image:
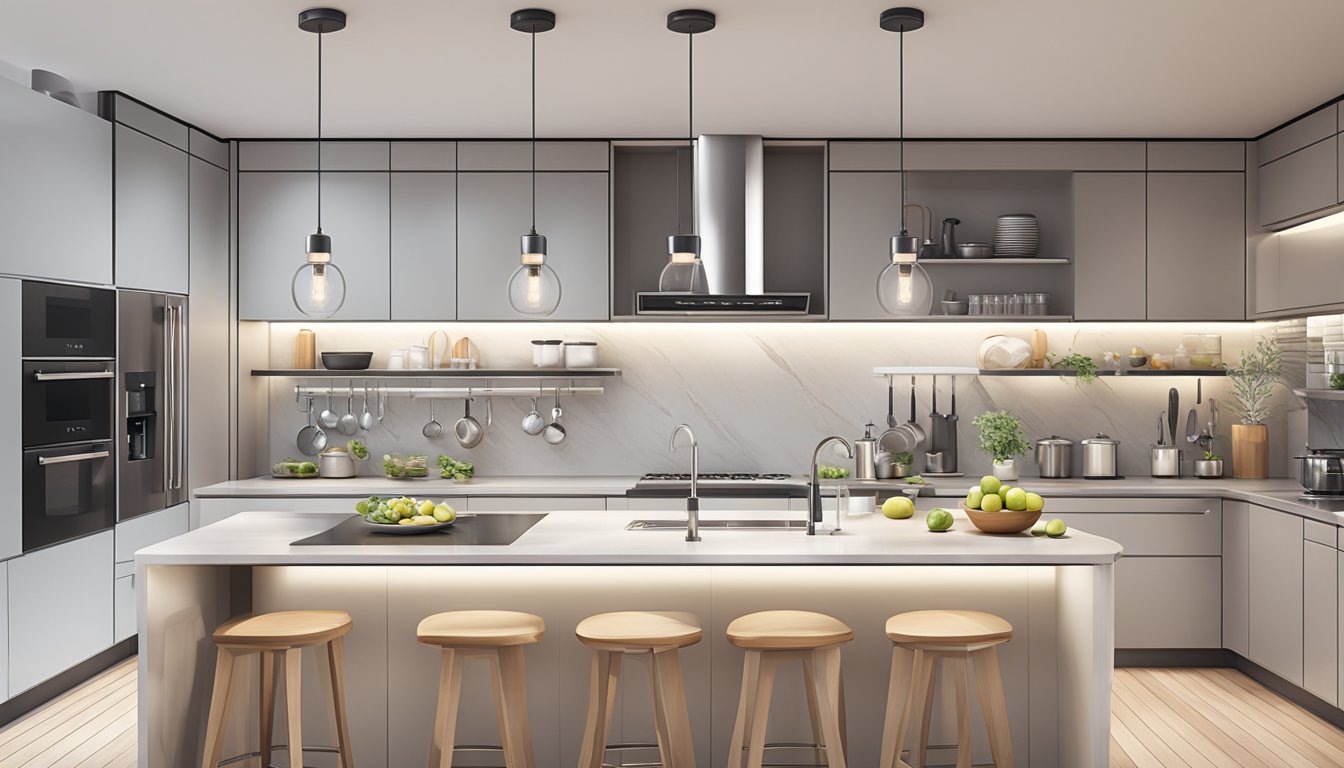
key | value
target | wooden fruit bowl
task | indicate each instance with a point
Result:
(1002, 522)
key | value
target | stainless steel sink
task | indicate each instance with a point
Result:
(729, 525)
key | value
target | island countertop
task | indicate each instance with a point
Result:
(600, 538)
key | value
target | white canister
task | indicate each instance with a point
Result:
(580, 354)
(417, 356)
(396, 359)
(548, 353)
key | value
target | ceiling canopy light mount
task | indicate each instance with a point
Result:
(902, 19)
(690, 21)
(322, 20)
(532, 20)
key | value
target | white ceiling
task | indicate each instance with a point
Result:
(433, 68)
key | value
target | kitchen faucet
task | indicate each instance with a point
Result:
(814, 487)
(692, 501)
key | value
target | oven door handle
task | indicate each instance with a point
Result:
(78, 376)
(90, 456)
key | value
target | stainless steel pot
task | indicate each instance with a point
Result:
(1055, 455)
(1322, 471)
(335, 462)
(1099, 457)
(1166, 461)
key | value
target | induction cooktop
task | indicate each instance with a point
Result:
(493, 530)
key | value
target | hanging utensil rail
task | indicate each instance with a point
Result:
(452, 393)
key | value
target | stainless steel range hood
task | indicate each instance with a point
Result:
(730, 216)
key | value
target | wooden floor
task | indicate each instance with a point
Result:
(1161, 718)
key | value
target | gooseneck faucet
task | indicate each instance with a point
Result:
(692, 501)
(814, 487)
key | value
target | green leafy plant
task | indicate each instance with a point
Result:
(1001, 435)
(1211, 456)
(1084, 367)
(461, 471)
(1337, 381)
(1254, 378)
(358, 449)
(905, 457)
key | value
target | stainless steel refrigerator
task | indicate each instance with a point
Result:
(151, 402)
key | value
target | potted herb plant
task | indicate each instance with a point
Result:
(1253, 381)
(1004, 439)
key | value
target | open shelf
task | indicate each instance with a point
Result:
(1320, 394)
(1028, 372)
(993, 262)
(983, 319)
(439, 373)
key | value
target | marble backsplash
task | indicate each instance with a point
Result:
(760, 396)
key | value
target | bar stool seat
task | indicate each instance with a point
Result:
(279, 639)
(769, 638)
(654, 635)
(958, 638)
(497, 637)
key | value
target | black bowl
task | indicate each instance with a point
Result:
(346, 361)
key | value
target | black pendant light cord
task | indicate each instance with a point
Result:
(690, 118)
(319, 132)
(534, 130)
(901, 120)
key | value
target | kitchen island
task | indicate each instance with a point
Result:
(1057, 593)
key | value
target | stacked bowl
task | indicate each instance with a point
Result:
(1016, 236)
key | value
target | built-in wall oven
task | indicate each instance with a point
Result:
(69, 380)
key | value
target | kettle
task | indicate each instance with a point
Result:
(865, 455)
(950, 238)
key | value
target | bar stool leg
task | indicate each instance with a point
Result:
(602, 687)
(269, 684)
(930, 687)
(814, 710)
(751, 668)
(445, 715)
(765, 687)
(336, 663)
(899, 690)
(826, 679)
(513, 675)
(294, 704)
(219, 708)
(989, 686)
(501, 696)
(672, 702)
(962, 685)
(660, 716)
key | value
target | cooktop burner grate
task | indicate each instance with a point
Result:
(711, 476)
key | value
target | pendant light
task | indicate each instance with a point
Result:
(534, 288)
(685, 272)
(903, 287)
(319, 286)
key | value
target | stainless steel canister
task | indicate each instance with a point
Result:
(1099, 457)
(1055, 455)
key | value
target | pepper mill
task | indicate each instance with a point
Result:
(865, 454)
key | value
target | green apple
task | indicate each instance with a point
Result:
(898, 508)
(1039, 528)
(992, 502)
(425, 507)
(1034, 502)
(990, 484)
(1056, 528)
(1015, 499)
(974, 498)
(444, 513)
(939, 520)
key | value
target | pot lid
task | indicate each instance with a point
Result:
(1101, 439)
(1054, 440)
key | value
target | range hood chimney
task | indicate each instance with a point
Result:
(730, 211)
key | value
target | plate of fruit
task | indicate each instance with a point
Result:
(995, 507)
(403, 515)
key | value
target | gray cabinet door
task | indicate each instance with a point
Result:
(56, 201)
(208, 327)
(1236, 577)
(1109, 250)
(276, 213)
(1320, 624)
(56, 640)
(151, 213)
(4, 633)
(1276, 592)
(865, 213)
(1298, 184)
(424, 246)
(123, 608)
(1164, 602)
(11, 440)
(1196, 246)
(493, 211)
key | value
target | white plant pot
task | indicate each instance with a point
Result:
(1006, 470)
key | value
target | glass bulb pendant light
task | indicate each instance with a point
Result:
(903, 287)
(685, 272)
(318, 287)
(534, 288)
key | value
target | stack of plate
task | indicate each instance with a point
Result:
(1016, 236)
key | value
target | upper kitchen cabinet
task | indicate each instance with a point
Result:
(277, 211)
(56, 202)
(988, 156)
(1109, 251)
(424, 246)
(151, 213)
(302, 156)
(1299, 170)
(864, 215)
(1196, 246)
(494, 210)
(209, 326)
(517, 156)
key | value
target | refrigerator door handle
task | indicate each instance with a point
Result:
(170, 394)
(179, 365)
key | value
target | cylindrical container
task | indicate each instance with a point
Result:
(396, 359)
(1322, 472)
(1099, 457)
(1055, 455)
(417, 356)
(1250, 451)
(882, 466)
(580, 354)
(1166, 461)
(865, 453)
(548, 353)
(335, 462)
(933, 462)
(305, 349)
(1209, 468)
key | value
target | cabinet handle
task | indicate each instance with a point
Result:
(46, 460)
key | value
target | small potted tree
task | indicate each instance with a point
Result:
(1253, 383)
(1004, 439)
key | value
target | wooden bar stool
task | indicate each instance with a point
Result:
(497, 637)
(957, 637)
(770, 637)
(280, 638)
(660, 635)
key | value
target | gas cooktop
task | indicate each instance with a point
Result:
(712, 477)
(721, 484)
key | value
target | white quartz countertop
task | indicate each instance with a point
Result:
(600, 538)
(376, 485)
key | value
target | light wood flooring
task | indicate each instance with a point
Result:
(1161, 718)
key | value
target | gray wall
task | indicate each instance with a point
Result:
(761, 395)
